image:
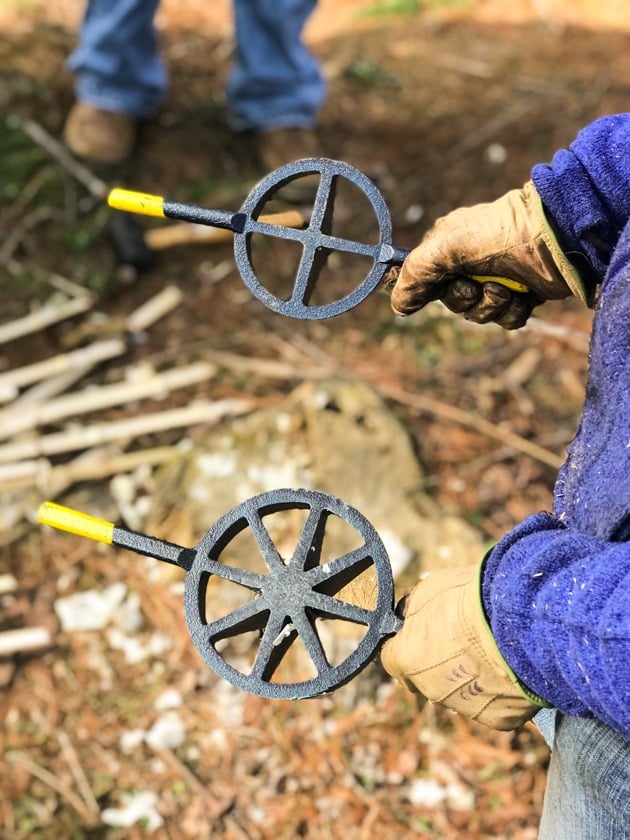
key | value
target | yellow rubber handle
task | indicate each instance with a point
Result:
(136, 202)
(75, 522)
(503, 281)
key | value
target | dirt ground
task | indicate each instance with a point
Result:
(441, 104)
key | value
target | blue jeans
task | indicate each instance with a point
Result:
(588, 782)
(275, 81)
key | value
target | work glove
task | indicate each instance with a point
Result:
(509, 238)
(445, 651)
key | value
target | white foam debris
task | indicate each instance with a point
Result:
(135, 807)
(92, 609)
(168, 732)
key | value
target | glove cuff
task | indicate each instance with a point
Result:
(563, 264)
(529, 695)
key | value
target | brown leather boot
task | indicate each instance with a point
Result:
(98, 135)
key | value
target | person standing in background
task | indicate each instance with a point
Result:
(275, 86)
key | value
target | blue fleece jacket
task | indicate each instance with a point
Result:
(556, 589)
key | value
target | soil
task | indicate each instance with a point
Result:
(441, 105)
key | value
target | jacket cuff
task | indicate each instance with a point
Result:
(527, 693)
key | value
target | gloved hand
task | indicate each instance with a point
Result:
(512, 238)
(446, 652)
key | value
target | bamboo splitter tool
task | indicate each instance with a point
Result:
(317, 238)
(288, 601)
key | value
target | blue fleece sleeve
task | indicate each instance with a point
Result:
(558, 602)
(556, 589)
(586, 189)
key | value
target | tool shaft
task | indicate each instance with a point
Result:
(147, 204)
(75, 522)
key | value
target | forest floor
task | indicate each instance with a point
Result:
(441, 104)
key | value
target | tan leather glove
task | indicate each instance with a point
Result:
(512, 238)
(446, 652)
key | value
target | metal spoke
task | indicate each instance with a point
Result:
(308, 549)
(244, 619)
(272, 647)
(279, 231)
(321, 217)
(234, 574)
(350, 565)
(311, 642)
(265, 543)
(311, 263)
(334, 608)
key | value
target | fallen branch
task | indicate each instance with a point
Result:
(27, 224)
(437, 408)
(72, 758)
(60, 153)
(578, 338)
(20, 759)
(268, 367)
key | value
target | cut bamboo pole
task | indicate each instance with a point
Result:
(92, 466)
(24, 640)
(98, 434)
(46, 390)
(154, 309)
(93, 354)
(108, 396)
(20, 474)
(8, 584)
(50, 313)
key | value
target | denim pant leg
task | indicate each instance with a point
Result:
(275, 82)
(588, 783)
(116, 63)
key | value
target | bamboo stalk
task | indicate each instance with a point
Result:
(49, 313)
(8, 583)
(93, 354)
(92, 465)
(154, 309)
(24, 640)
(20, 474)
(88, 400)
(202, 412)
(44, 391)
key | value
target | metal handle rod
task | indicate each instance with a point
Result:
(75, 522)
(147, 204)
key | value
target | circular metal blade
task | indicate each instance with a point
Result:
(288, 599)
(316, 239)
